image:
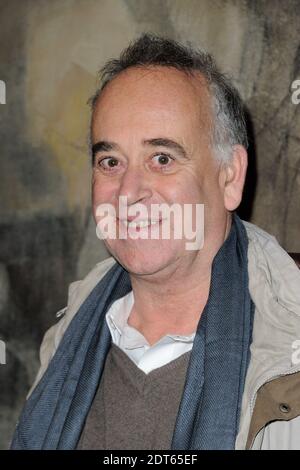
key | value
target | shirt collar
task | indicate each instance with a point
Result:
(131, 338)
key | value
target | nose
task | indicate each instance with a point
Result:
(135, 185)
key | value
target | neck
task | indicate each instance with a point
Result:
(172, 301)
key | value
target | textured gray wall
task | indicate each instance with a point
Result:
(50, 51)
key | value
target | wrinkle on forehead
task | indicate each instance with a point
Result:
(163, 81)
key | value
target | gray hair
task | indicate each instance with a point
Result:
(229, 127)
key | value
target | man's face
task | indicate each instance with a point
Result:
(151, 129)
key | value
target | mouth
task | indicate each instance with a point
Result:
(139, 224)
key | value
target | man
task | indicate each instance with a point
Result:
(160, 346)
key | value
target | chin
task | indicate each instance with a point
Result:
(142, 260)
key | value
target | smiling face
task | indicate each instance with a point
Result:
(151, 134)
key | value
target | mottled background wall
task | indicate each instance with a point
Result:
(50, 51)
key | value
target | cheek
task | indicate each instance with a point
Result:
(185, 190)
(102, 191)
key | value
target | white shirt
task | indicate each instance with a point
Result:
(135, 345)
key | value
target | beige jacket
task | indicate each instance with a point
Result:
(270, 417)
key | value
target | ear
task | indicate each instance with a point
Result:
(232, 177)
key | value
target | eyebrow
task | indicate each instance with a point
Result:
(103, 146)
(106, 146)
(167, 143)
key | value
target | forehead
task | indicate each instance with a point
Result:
(159, 96)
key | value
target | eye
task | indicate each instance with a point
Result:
(108, 163)
(162, 159)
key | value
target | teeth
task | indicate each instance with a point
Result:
(140, 224)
